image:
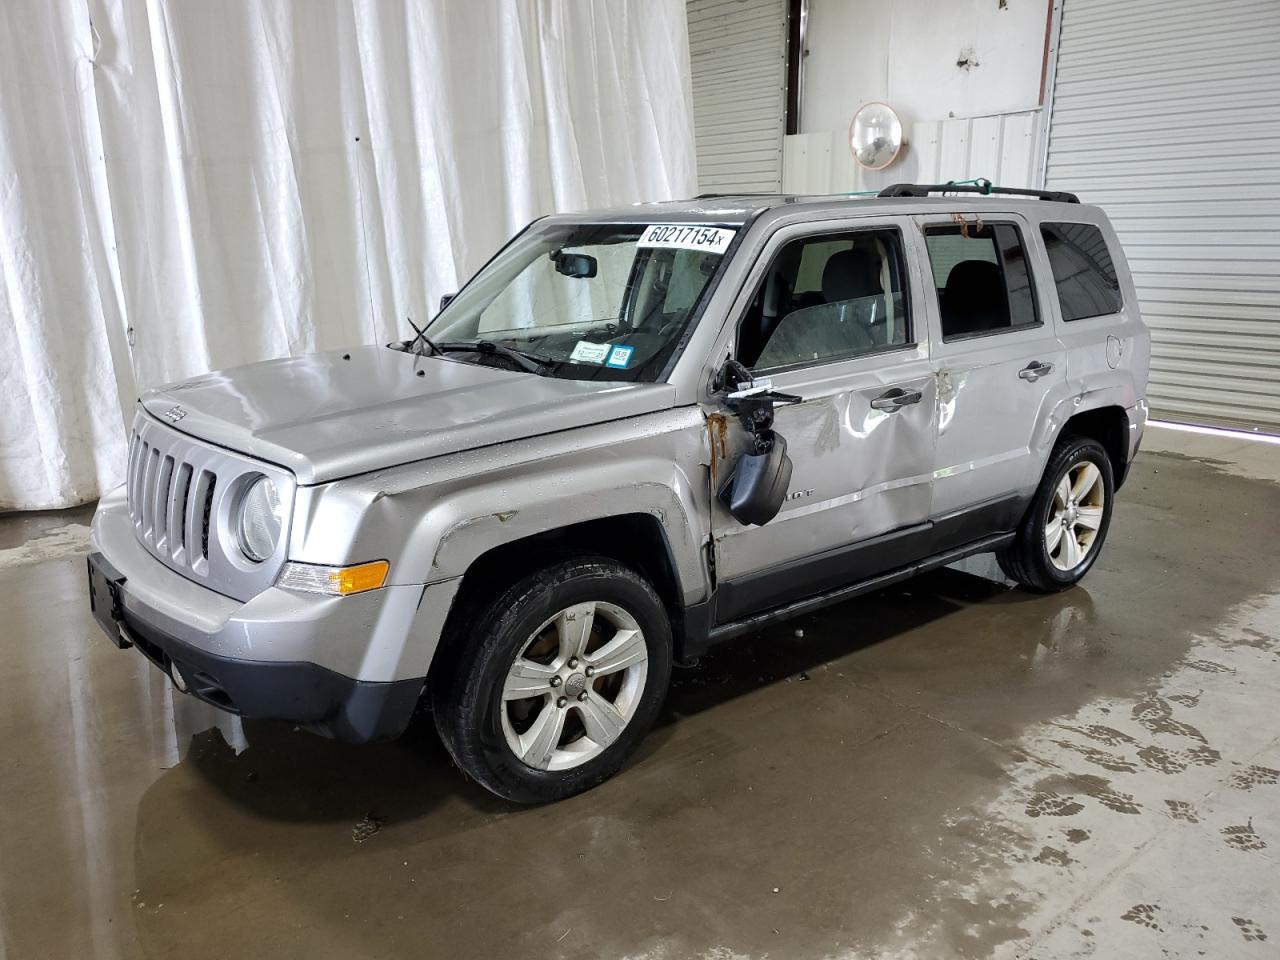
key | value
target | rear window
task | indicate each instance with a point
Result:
(1082, 270)
(982, 278)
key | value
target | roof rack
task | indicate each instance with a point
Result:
(983, 187)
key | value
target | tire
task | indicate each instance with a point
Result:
(511, 744)
(1040, 557)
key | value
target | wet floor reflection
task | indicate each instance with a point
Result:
(819, 758)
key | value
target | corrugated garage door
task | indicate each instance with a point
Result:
(1167, 114)
(738, 57)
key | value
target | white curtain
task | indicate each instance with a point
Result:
(189, 185)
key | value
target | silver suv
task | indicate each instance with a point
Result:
(633, 434)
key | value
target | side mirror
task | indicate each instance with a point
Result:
(580, 266)
(754, 491)
(445, 300)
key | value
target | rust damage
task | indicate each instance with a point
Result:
(718, 437)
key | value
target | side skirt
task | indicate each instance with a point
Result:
(699, 637)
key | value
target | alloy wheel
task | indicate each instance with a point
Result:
(1075, 515)
(574, 686)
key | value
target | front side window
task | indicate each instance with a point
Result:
(587, 301)
(1082, 270)
(824, 298)
(983, 281)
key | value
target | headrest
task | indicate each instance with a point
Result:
(851, 274)
(973, 280)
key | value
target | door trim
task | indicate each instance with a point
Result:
(834, 572)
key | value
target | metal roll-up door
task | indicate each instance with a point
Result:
(738, 59)
(1166, 113)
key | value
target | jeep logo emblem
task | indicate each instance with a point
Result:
(174, 414)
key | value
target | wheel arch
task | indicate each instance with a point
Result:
(637, 540)
(1109, 425)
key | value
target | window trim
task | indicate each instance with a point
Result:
(911, 343)
(1057, 294)
(1037, 323)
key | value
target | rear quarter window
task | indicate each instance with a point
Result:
(1083, 271)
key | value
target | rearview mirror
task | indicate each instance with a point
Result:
(754, 492)
(577, 265)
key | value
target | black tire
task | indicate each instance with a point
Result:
(467, 700)
(1027, 560)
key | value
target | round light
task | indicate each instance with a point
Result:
(258, 528)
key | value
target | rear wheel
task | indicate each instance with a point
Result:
(557, 681)
(1063, 531)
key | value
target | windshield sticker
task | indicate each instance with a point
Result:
(620, 357)
(681, 236)
(588, 352)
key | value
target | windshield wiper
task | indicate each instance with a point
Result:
(525, 360)
(412, 345)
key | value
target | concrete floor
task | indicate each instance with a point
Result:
(949, 769)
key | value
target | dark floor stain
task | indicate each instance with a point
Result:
(1208, 666)
(1181, 810)
(1162, 760)
(1254, 776)
(1101, 758)
(1143, 914)
(1187, 699)
(1249, 929)
(1053, 856)
(1076, 835)
(1243, 837)
(1203, 756)
(366, 828)
(1103, 734)
(1154, 713)
(1052, 805)
(1117, 801)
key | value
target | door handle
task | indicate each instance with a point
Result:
(896, 399)
(1034, 370)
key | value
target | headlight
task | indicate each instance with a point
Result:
(260, 522)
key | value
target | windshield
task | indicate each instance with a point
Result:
(584, 301)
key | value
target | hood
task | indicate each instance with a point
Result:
(324, 416)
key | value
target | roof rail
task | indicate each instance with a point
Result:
(983, 187)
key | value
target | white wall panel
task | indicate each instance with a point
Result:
(738, 62)
(1168, 116)
(1001, 148)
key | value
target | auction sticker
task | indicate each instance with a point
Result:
(683, 236)
(587, 352)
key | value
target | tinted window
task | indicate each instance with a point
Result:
(982, 278)
(827, 297)
(1082, 270)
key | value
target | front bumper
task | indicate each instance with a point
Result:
(303, 693)
(348, 667)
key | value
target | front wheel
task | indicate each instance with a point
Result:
(556, 681)
(1062, 533)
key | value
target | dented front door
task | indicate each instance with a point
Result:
(861, 486)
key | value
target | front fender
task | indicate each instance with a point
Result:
(431, 520)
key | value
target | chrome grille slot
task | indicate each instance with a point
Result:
(164, 491)
(182, 492)
(149, 496)
(208, 513)
(177, 522)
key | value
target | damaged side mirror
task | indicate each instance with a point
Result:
(756, 487)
